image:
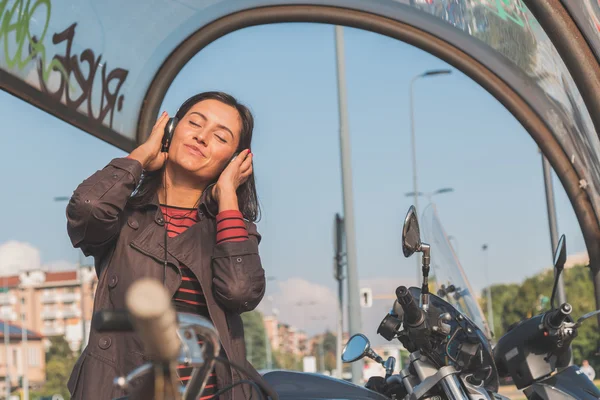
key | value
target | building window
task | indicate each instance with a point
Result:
(15, 357)
(34, 357)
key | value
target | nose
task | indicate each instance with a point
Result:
(201, 137)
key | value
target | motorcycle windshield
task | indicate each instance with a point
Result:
(447, 278)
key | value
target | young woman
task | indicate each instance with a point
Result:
(194, 206)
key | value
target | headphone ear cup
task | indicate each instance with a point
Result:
(168, 135)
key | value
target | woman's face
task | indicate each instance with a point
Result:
(205, 139)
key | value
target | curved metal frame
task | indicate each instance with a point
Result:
(418, 37)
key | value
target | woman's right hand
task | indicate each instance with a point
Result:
(149, 154)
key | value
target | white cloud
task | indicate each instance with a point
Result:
(303, 304)
(18, 256)
(313, 307)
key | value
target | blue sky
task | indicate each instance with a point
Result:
(286, 74)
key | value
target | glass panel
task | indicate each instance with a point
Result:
(101, 60)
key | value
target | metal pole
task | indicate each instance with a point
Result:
(551, 207)
(490, 310)
(321, 355)
(25, 380)
(6, 342)
(338, 269)
(354, 317)
(340, 330)
(413, 141)
(267, 341)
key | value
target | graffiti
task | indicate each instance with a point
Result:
(16, 21)
(72, 66)
(512, 10)
(22, 48)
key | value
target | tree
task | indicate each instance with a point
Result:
(59, 364)
(282, 360)
(327, 343)
(513, 303)
(255, 338)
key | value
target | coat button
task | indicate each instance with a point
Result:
(239, 259)
(104, 342)
(115, 176)
(112, 282)
(133, 223)
(160, 221)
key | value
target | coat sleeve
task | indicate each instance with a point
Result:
(95, 209)
(238, 275)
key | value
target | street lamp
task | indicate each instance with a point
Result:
(81, 284)
(490, 311)
(429, 195)
(426, 74)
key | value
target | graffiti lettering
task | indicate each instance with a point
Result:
(71, 63)
(15, 21)
(511, 10)
(22, 47)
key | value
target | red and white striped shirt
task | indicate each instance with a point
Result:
(189, 297)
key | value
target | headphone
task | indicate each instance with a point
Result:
(172, 124)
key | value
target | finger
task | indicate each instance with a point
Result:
(246, 169)
(160, 118)
(159, 130)
(241, 157)
(247, 162)
(245, 174)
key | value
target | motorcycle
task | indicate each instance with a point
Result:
(449, 341)
(446, 334)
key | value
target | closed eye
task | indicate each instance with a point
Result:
(222, 140)
(195, 124)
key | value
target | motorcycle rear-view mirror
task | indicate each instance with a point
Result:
(560, 258)
(560, 254)
(411, 234)
(357, 347)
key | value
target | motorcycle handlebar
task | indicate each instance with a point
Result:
(154, 318)
(558, 316)
(112, 321)
(413, 315)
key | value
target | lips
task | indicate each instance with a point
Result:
(195, 150)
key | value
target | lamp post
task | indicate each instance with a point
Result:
(490, 310)
(426, 74)
(354, 318)
(429, 195)
(272, 313)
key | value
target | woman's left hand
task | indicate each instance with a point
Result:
(235, 174)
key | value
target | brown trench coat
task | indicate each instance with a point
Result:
(128, 243)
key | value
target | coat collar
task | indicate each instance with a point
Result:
(208, 205)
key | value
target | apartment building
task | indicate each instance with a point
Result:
(51, 303)
(14, 364)
(284, 337)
